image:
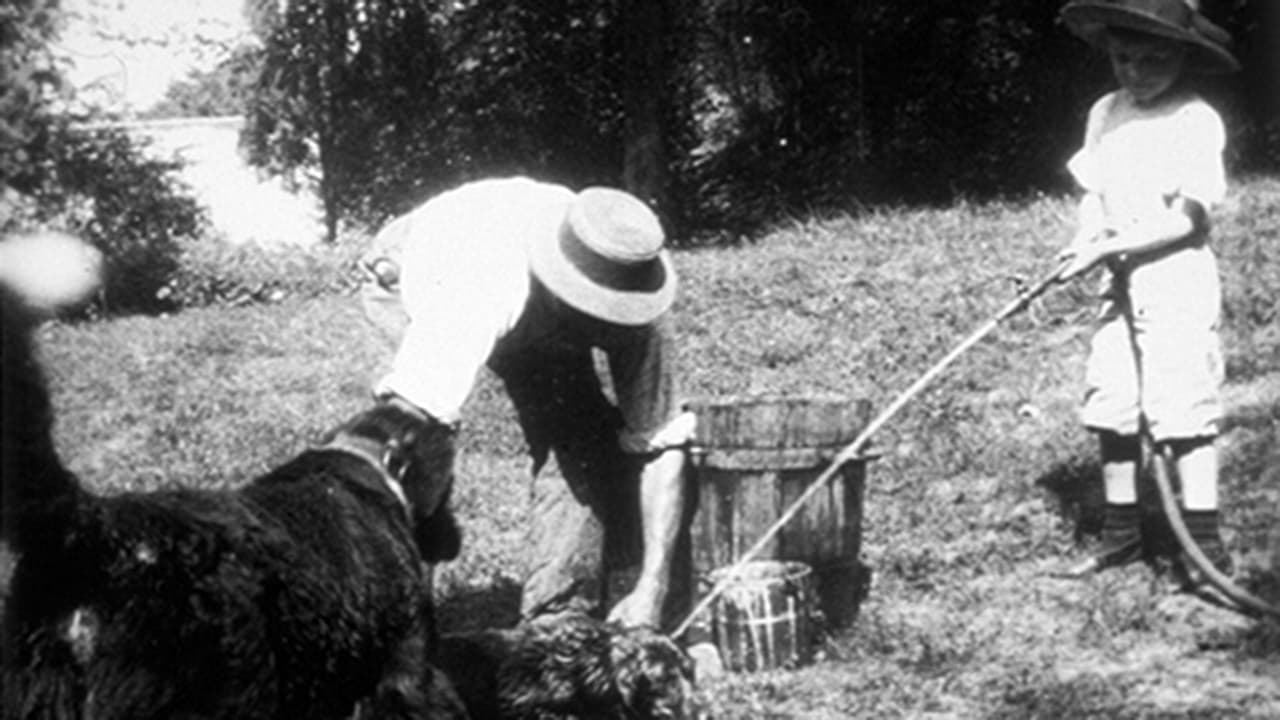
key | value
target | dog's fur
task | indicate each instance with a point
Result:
(566, 666)
(298, 596)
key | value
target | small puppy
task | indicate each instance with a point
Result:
(568, 665)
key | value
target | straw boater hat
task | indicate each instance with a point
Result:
(607, 260)
(1178, 20)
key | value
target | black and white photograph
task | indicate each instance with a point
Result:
(639, 360)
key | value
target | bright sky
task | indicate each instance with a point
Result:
(122, 54)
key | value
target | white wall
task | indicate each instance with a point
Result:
(242, 206)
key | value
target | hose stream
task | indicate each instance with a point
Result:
(855, 449)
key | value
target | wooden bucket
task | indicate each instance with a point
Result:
(763, 619)
(752, 458)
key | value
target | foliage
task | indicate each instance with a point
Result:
(27, 75)
(975, 97)
(224, 90)
(1251, 99)
(769, 106)
(214, 272)
(766, 115)
(798, 103)
(100, 184)
(347, 89)
(360, 91)
(531, 88)
(93, 182)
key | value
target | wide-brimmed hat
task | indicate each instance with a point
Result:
(1178, 20)
(608, 260)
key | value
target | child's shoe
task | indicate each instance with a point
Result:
(1121, 543)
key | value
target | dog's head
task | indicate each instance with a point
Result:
(654, 676)
(417, 455)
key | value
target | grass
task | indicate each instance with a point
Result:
(976, 494)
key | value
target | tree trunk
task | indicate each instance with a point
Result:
(644, 165)
(329, 199)
(329, 83)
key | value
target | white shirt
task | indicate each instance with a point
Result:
(1137, 159)
(1134, 157)
(464, 278)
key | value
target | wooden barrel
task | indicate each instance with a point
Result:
(753, 457)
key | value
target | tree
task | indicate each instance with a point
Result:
(27, 77)
(344, 87)
(974, 97)
(1252, 99)
(723, 113)
(224, 90)
(102, 186)
(532, 87)
(646, 74)
(95, 183)
(718, 112)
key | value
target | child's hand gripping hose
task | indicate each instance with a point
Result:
(853, 450)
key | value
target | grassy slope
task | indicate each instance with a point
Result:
(960, 621)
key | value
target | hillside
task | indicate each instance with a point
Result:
(975, 496)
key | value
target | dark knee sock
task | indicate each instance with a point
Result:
(1205, 529)
(1120, 521)
(1121, 533)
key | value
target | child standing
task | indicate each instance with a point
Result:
(1151, 169)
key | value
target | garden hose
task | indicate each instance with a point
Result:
(1161, 460)
(854, 450)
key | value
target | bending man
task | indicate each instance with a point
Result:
(530, 278)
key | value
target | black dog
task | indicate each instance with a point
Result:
(567, 666)
(298, 596)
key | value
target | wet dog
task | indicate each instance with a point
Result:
(568, 665)
(299, 595)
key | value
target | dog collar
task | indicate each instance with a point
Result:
(387, 458)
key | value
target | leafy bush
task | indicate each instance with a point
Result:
(213, 272)
(224, 90)
(28, 74)
(351, 91)
(100, 185)
(94, 183)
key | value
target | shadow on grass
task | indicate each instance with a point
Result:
(1076, 485)
(1103, 696)
(1084, 696)
(1251, 488)
(1262, 641)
